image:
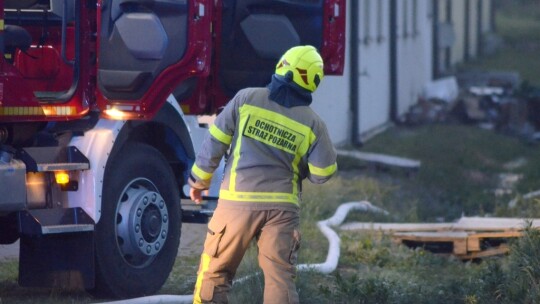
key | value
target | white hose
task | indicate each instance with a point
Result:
(327, 267)
(334, 241)
(161, 299)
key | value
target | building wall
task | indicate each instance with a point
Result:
(414, 55)
(414, 60)
(458, 22)
(486, 15)
(331, 103)
(473, 37)
(467, 21)
(445, 34)
(374, 65)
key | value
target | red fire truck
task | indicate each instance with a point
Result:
(98, 122)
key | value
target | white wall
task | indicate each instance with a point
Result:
(414, 62)
(414, 51)
(374, 65)
(331, 102)
(332, 99)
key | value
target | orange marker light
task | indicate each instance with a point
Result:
(115, 113)
(62, 177)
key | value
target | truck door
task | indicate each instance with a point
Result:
(144, 51)
(255, 33)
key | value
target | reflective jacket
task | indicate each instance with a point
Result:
(271, 148)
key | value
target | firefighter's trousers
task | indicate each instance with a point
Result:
(229, 235)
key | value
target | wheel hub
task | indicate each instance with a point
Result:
(142, 222)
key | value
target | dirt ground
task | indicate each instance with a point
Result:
(191, 242)
(192, 239)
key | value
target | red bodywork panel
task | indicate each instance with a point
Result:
(31, 81)
(333, 49)
(41, 69)
(42, 66)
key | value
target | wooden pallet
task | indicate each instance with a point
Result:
(468, 238)
(464, 245)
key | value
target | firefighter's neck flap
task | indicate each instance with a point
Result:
(288, 94)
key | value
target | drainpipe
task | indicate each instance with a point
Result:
(466, 46)
(435, 37)
(393, 62)
(354, 106)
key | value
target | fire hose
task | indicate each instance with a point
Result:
(328, 266)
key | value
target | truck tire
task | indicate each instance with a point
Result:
(138, 234)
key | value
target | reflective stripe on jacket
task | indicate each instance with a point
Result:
(272, 149)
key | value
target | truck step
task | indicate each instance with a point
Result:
(45, 159)
(54, 221)
(67, 228)
(196, 216)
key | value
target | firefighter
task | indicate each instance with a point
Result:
(275, 141)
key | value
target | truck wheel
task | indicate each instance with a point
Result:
(138, 234)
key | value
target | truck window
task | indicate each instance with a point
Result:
(257, 32)
(138, 40)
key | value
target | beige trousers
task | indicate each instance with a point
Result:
(229, 235)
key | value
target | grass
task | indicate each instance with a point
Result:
(372, 269)
(460, 167)
(459, 173)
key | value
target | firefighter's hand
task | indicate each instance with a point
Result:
(196, 195)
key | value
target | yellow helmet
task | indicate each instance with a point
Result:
(304, 65)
